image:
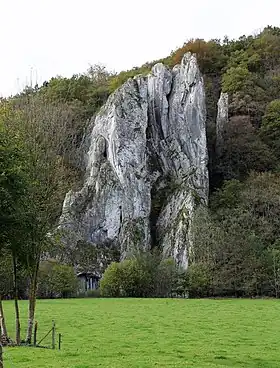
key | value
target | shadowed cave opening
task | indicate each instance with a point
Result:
(160, 192)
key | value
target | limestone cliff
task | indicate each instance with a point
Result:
(222, 120)
(146, 165)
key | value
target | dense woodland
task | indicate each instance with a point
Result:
(237, 238)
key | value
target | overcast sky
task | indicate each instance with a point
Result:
(46, 38)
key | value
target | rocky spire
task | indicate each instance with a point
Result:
(147, 164)
(222, 120)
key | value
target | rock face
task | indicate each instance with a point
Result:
(146, 166)
(222, 120)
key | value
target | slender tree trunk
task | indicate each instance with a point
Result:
(3, 328)
(18, 341)
(32, 303)
(1, 357)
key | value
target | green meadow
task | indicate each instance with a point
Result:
(126, 333)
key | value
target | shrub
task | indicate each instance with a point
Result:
(270, 127)
(56, 280)
(198, 280)
(145, 275)
(110, 285)
(167, 275)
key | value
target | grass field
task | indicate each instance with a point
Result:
(126, 333)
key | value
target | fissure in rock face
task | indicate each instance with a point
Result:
(146, 165)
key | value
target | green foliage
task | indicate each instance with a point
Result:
(144, 275)
(228, 196)
(273, 261)
(43, 134)
(270, 128)
(110, 284)
(6, 275)
(13, 185)
(56, 280)
(198, 280)
(237, 241)
(241, 152)
(236, 79)
(134, 278)
(123, 76)
(210, 55)
(168, 279)
(87, 92)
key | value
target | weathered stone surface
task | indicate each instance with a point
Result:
(222, 120)
(146, 166)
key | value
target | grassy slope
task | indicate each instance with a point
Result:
(155, 333)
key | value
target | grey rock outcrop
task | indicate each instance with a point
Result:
(146, 166)
(222, 120)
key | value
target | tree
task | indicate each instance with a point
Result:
(110, 285)
(198, 280)
(210, 55)
(242, 151)
(167, 277)
(48, 135)
(270, 128)
(6, 287)
(134, 279)
(237, 239)
(144, 274)
(274, 262)
(236, 79)
(87, 91)
(15, 220)
(46, 132)
(56, 280)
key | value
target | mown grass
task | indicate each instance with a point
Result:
(125, 333)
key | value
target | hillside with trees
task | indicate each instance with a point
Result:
(237, 238)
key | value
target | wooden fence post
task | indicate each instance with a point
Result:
(35, 334)
(53, 336)
(59, 341)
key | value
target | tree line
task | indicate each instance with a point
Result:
(237, 241)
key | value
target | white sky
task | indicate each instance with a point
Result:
(62, 37)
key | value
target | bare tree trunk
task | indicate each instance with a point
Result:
(1, 357)
(32, 303)
(3, 328)
(18, 341)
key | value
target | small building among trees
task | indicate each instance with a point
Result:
(88, 281)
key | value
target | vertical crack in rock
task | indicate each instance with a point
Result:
(147, 165)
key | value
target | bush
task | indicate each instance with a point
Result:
(126, 279)
(56, 280)
(167, 276)
(270, 127)
(198, 280)
(110, 285)
(146, 275)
